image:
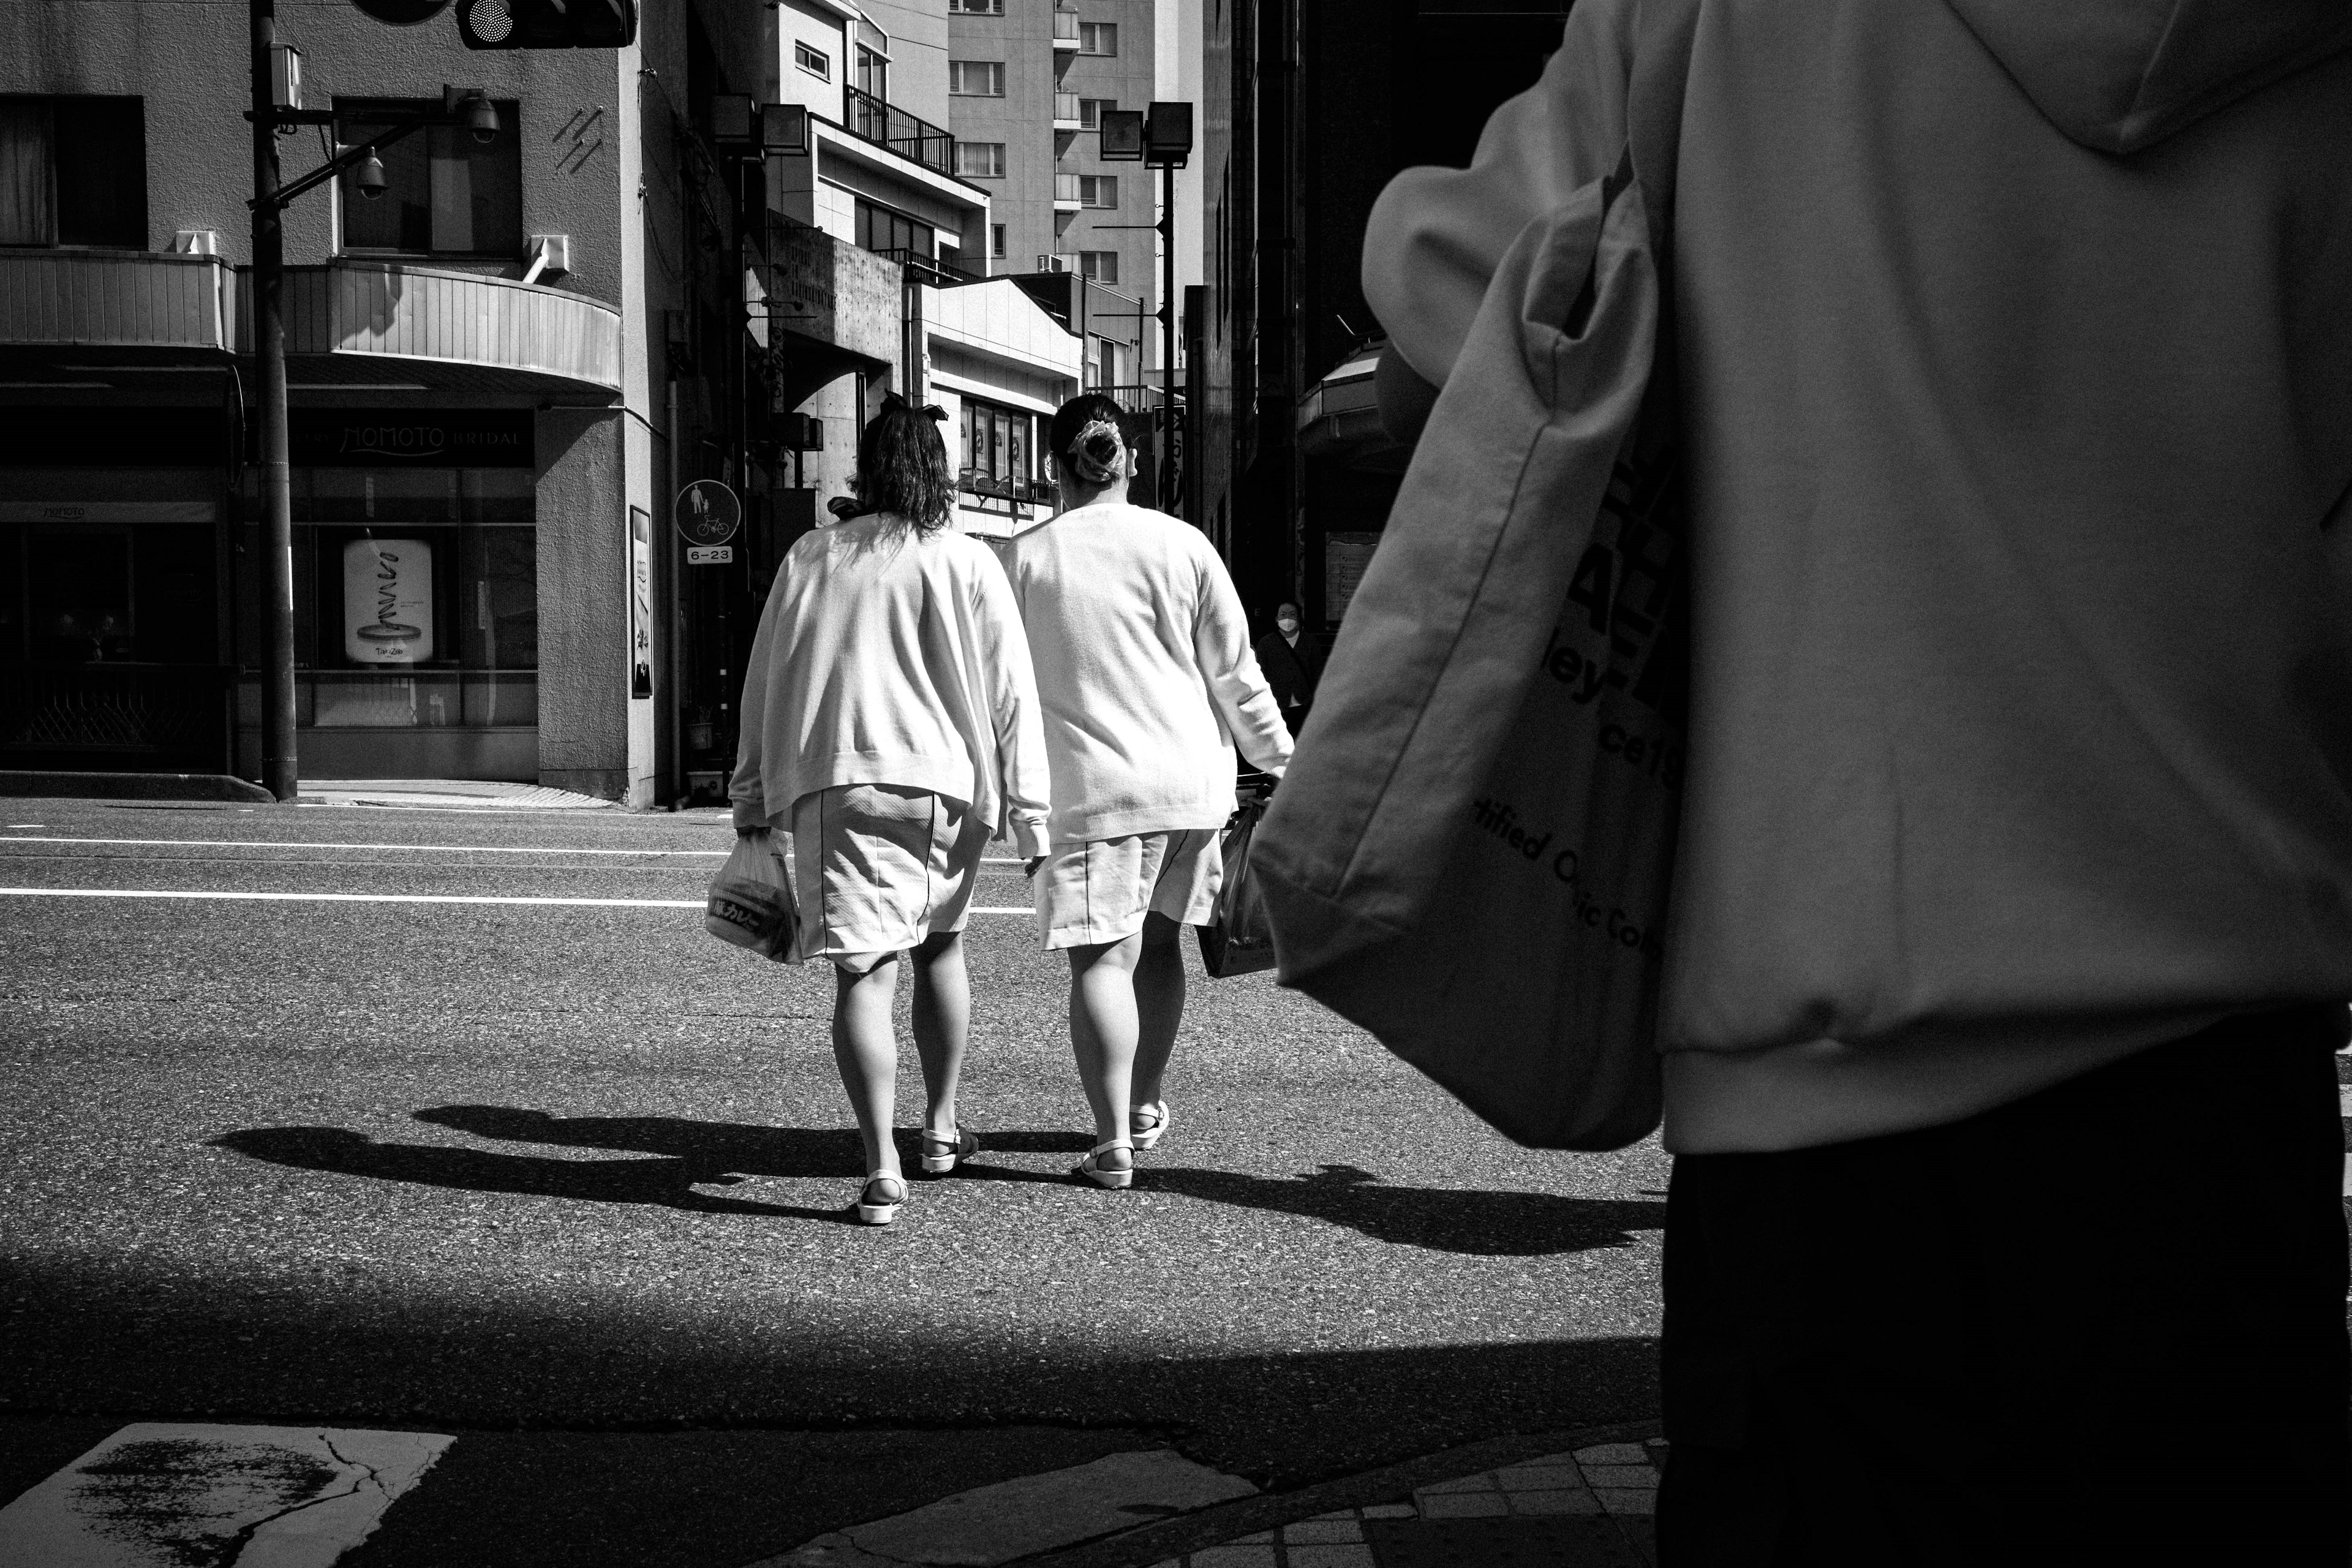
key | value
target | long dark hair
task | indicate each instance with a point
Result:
(1089, 457)
(902, 466)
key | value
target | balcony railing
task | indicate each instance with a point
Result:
(1019, 492)
(1066, 29)
(869, 118)
(1138, 399)
(938, 271)
(1066, 112)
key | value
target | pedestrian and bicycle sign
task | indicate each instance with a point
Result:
(708, 513)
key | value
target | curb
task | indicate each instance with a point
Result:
(133, 786)
(1245, 1516)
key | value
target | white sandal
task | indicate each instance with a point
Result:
(1090, 1169)
(1147, 1137)
(874, 1204)
(940, 1154)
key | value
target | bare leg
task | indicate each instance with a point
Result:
(1102, 1033)
(1159, 1005)
(865, 1048)
(942, 1016)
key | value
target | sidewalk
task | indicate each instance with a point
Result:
(449, 795)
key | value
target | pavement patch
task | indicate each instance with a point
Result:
(1022, 1518)
(166, 1494)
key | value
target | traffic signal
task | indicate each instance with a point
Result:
(547, 24)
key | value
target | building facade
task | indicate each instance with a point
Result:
(481, 407)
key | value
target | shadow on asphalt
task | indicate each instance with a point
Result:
(669, 1182)
(1442, 1219)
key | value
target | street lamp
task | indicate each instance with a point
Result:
(1159, 138)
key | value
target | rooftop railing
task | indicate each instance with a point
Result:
(869, 118)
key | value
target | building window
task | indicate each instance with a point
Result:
(1102, 266)
(1098, 37)
(1098, 190)
(883, 230)
(976, 79)
(445, 194)
(980, 160)
(998, 442)
(1111, 362)
(977, 7)
(73, 170)
(996, 241)
(1090, 112)
(816, 62)
(873, 74)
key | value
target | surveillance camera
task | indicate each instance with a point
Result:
(481, 119)
(368, 174)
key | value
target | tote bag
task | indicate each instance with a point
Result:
(1238, 940)
(1470, 853)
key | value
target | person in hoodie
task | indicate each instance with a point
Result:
(890, 723)
(1144, 670)
(2012, 915)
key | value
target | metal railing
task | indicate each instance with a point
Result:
(1066, 107)
(1066, 27)
(1144, 399)
(150, 713)
(1024, 492)
(1065, 188)
(936, 270)
(869, 118)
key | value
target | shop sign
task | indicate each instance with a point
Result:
(709, 555)
(401, 437)
(707, 513)
(641, 602)
(388, 601)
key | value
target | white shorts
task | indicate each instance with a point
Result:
(1098, 892)
(877, 868)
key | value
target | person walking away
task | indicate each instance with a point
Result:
(2012, 910)
(1145, 679)
(1292, 663)
(891, 722)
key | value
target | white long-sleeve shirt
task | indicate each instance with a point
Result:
(1144, 671)
(885, 656)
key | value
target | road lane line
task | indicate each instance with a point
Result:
(283, 844)
(294, 1497)
(389, 898)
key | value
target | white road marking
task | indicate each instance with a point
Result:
(1028, 1515)
(17, 825)
(159, 1493)
(289, 843)
(389, 898)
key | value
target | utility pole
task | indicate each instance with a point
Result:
(1169, 466)
(279, 768)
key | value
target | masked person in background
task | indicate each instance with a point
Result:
(2013, 908)
(1144, 671)
(891, 721)
(1292, 663)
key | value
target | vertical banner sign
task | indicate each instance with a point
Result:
(388, 601)
(641, 602)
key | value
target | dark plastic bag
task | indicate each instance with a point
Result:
(1239, 941)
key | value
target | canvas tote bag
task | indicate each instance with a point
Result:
(1469, 855)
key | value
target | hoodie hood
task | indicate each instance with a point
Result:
(2120, 75)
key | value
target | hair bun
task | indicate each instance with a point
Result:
(1094, 455)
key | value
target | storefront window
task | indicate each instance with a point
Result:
(415, 597)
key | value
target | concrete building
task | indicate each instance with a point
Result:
(488, 364)
(1028, 83)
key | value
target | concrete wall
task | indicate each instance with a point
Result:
(1022, 200)
(584, 702)
(919, 54)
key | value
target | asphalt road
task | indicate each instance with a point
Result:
(565, 1171)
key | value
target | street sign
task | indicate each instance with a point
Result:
(707, 513)
(709, 555)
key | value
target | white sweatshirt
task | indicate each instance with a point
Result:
(884, 657)
(2014, 343)
(1144, 670)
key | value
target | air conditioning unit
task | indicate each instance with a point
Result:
(1054, 264)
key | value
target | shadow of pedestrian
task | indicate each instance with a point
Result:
(714, 1150)
(669, 1182)
(1442, 1219)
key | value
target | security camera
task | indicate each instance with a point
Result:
(368, 175)
(481, 119)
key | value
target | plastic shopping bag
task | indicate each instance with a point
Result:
(752, 898)
(1238, 940)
